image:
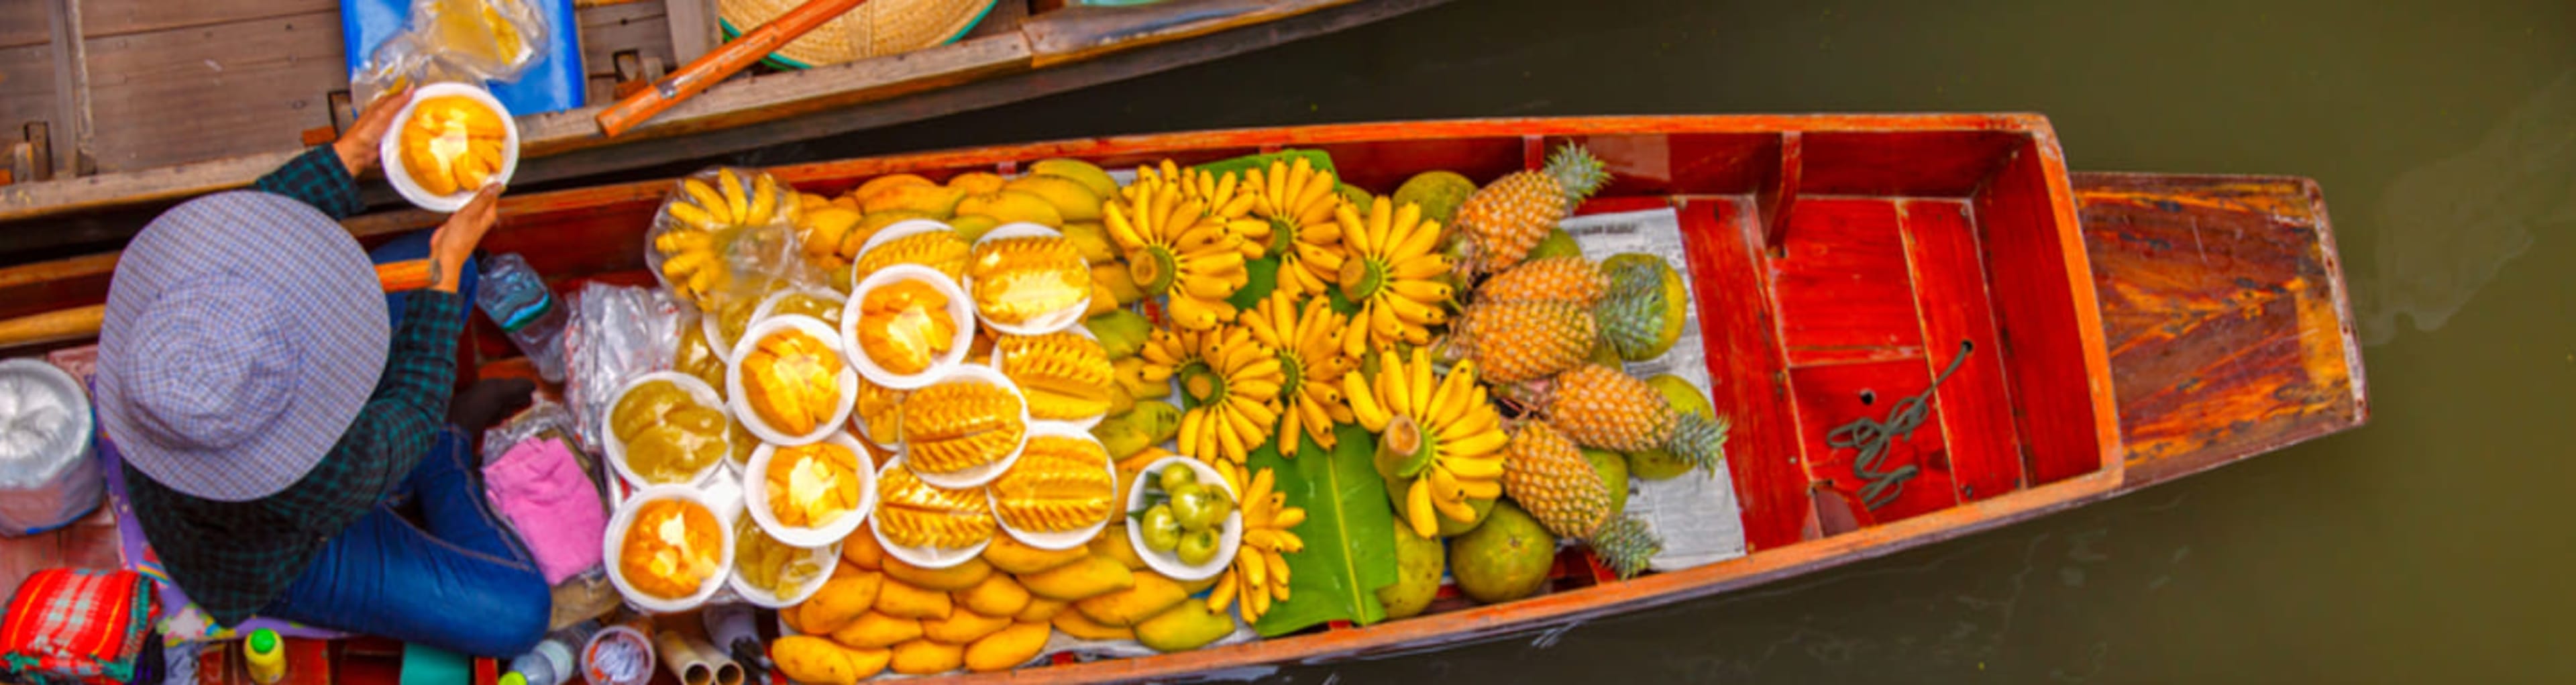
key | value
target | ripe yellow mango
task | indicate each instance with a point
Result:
(1093, 575)
(1188, 626)
(1040, 610)
(840, 601)
(809, 659)
(861, 549)
(1017, 558)
(998, 595)
(904, 600)
(950, 579)
(1008, 648)
(1152, 595)
(1073, 623)
(924, 657)
(963, 626)
(874, 630)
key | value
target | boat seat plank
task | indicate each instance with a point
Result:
(2246, 347)
(1763, 454)
(1842, 283)
(2052, 346)
(1950, 291)
(149, 91)
(644, 27)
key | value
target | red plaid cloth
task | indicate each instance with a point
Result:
(77, 626)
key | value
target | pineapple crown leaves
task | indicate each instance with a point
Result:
(1576, 171)
(1625, 544)
(1699, 441)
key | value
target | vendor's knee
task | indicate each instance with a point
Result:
(522, 621)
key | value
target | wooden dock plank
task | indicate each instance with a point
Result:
(104, 18)
(26, 88)
(149, 90)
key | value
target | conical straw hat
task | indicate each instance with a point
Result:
(876, 28)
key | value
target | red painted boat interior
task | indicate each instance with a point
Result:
(1837, 266)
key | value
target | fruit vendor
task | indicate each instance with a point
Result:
(274, 427)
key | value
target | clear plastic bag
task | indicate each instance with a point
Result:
(727, 235)
(456, 40)
(616, 334)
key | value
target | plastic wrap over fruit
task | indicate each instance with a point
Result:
(672, 548)
(728, 234)
(47, 477)
(456, 40)
(616, 334)
(775, 567)
(1018, 279)
(669, 437)
(905, 326)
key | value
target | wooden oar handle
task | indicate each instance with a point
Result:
(713, 67)
(83, 322)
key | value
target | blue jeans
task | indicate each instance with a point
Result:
(459, 581)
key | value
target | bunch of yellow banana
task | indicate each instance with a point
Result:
(1299, 201)
(1441, 434)
(1395, 273)
(1232, 383)
(1311, 364)
(1176, 247)
(702, 218)
(1260, 573)
(1228, 199)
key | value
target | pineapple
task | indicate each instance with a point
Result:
(1570, 279)
(1547, 475)
(1598, 406)
(1500, 223)
(1625, 543)
(1523, 341)
(1647, 302)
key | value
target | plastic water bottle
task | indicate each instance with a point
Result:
(517, 299)
(555, 660)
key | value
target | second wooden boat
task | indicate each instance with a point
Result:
(2071, 337)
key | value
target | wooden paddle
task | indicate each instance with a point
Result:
(82, 322)
(708, 69)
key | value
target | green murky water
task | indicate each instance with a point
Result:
(2425, 547)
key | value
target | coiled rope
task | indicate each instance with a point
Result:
(1872, 438)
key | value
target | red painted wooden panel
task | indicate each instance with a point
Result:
(2036, 308)
(1745, 370)
(1902, 163)
(1842, 286)
(1381, 166)
(1830, 397)
(1659, 164)
(1950, 282)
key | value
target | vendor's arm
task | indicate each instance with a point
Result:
(326, 176)
(409, 407)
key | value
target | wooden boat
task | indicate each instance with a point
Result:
(94, 150)
(2123, 330)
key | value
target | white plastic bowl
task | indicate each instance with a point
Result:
(924, 557)
(828, 556)
(1041, 324)
(769, 305)
(759, 425)
(1169, 563)
(892, 232)
(699, 390)
(755, 495)
(960, 310)
(980, 475)
(1002, 362)
(612, 549)
(389, 151)
(1069, 539)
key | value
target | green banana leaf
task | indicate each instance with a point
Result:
(1349, 532)
(1265, 278)
(1321, 160)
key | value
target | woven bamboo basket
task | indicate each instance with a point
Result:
(874, 29)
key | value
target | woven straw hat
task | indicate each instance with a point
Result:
(876, 28)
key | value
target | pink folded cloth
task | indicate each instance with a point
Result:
(555, 507)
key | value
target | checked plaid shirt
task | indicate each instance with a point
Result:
(234, 558)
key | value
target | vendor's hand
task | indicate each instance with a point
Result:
(357, 146)
(455, 241)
